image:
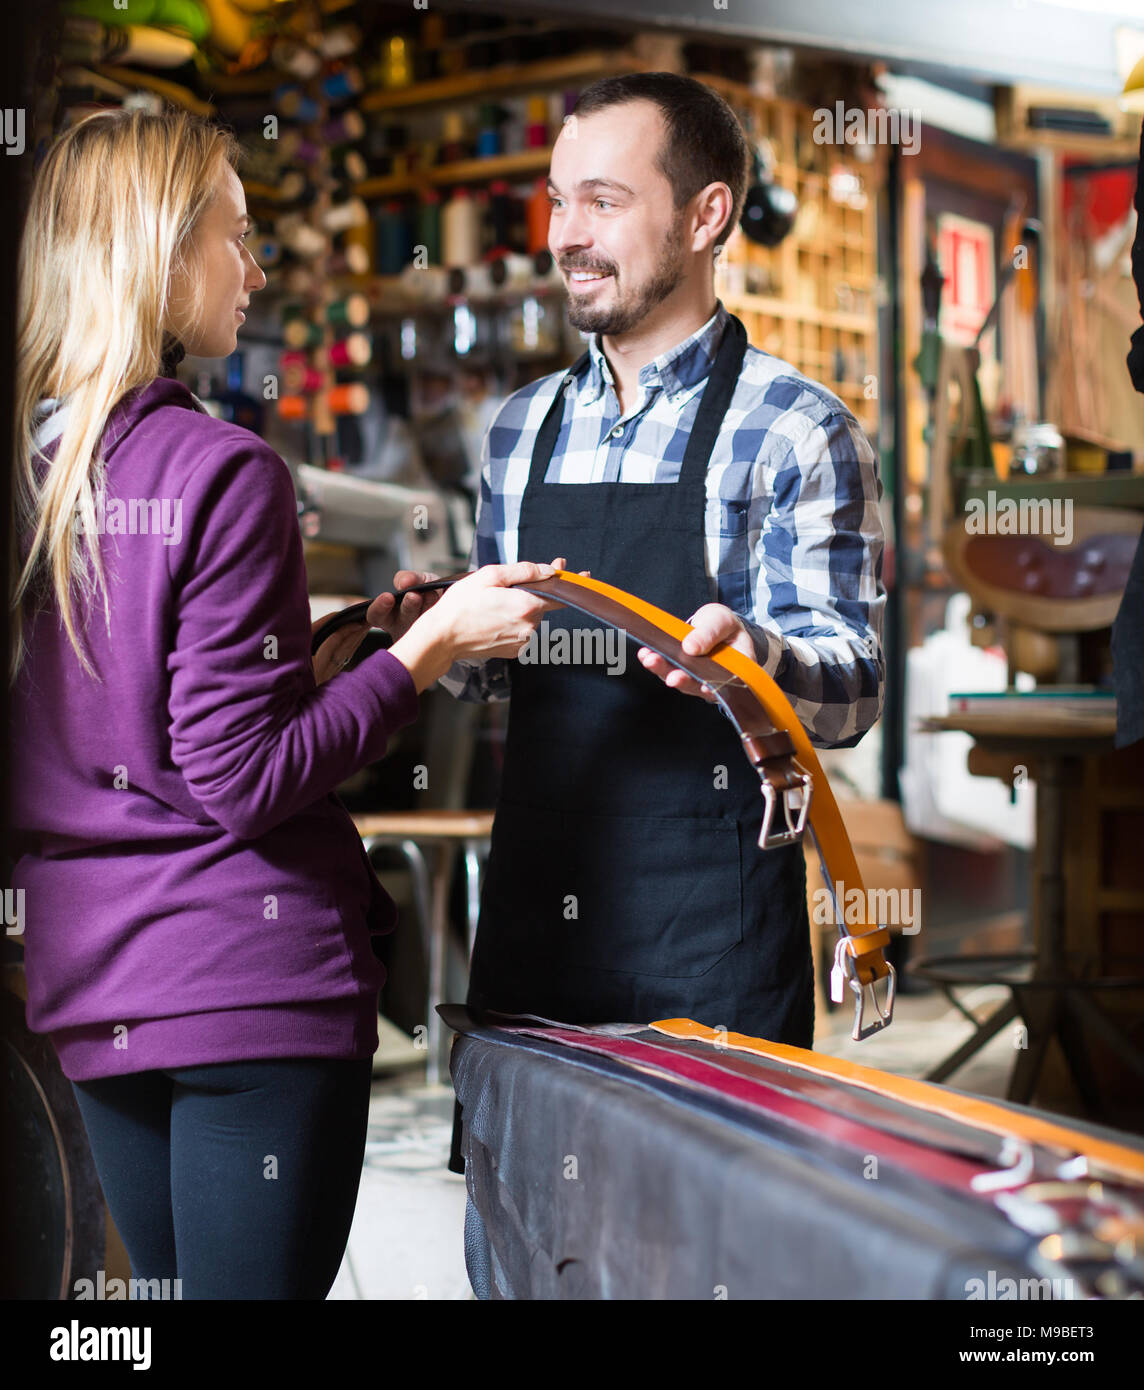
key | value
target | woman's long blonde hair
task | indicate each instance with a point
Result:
(111, 218)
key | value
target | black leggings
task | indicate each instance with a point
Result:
(238, 1178)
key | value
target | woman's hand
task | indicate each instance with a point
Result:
(476, 618)
(336, 651)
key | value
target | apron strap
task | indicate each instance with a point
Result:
(549, 430)
(716, 398)
(717, 393)
(771, 735)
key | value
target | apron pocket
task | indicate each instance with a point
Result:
(633, 895)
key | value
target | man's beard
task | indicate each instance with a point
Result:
(629, 310)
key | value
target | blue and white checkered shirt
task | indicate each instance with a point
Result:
(793, 528)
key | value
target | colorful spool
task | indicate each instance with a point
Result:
(353, 311)
(351, 398)
(354, 350)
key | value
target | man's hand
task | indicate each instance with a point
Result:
(337, 651)
(397, 621)
(715, 625)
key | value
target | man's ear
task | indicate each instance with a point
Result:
(713, 207)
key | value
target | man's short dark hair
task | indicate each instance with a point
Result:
(704, 141)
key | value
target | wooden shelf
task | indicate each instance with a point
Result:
(497, 166)
(785, 309)
(1095, 147)
(549, 72)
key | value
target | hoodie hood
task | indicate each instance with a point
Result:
(128, 411)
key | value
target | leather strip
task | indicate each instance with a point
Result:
(936, 1165)
(925, 1095)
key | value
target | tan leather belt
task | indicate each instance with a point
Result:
(794, 786)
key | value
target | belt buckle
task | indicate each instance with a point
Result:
(884, 1017)
(798, 784)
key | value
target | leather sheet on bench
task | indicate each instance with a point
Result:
(588, 1178)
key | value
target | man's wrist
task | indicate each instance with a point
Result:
(768, 645)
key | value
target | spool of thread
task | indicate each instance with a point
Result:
(298, 147)
(302, 379)
(512, 271)
(266, 250)
(396, 63)
(353, 213)
(428, 225)
(293, 407)
(300, 279)
(352, 311)
(301, 333)
(536, 129)
(484, 222)
(478, 281)
(356, 251)
(454, 140)
(460, 229)
(390, 240)
(537, 214)
(546, 269)
(500, 216)
(340, 129)
(348, 164)
(352, 259)
(488, 131)
(344, 83)
(296, 59)
(293, 102)
(295, 187)
(349, 398)
(300, 237)
(293, 358)
(428, 284)
(339, 42)
(354, 350)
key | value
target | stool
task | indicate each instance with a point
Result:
(440, 832)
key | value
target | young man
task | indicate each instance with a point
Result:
(625, 881)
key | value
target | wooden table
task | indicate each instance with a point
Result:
(1051, 998)
(441, 833)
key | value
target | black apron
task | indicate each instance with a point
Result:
(624, 881)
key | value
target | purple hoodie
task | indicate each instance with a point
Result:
(194, 891)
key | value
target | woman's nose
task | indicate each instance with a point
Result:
(256, 279)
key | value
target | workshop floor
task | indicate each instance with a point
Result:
(407, 1236)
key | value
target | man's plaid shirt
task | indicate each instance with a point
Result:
(793, 529)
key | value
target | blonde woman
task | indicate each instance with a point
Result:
(197, 904)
